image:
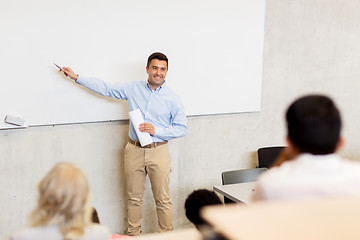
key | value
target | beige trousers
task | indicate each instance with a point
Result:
(156, 162)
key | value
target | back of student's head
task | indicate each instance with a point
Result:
(64, 199)
(314, 124)
(197, 200)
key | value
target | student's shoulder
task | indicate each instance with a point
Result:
(97, 230)
(353, 165)
(21, 234)
(277, 173)
(50, 232)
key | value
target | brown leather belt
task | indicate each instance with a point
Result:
(152, 145)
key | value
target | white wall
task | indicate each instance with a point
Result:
(310, 46)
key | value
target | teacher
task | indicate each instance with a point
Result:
(164, 119)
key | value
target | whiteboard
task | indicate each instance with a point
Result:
(215, 51)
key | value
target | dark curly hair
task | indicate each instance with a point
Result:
(196, 200)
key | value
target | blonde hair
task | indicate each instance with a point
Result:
(64, 199)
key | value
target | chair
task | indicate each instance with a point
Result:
(239, 176)
(267, 155)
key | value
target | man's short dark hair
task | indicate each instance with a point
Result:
(314, 124)
(159, 56)
(196, 200)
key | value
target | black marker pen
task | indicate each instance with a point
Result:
(57, 66)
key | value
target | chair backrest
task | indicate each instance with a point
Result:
(243, 175)
(267, 155)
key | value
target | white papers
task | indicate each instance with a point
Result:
(136, 118)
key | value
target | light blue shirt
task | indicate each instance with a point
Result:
(161, 107)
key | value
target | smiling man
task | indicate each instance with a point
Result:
(165, 119)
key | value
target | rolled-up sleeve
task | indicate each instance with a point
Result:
(178, 126)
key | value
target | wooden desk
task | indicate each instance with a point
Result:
(239, 192)
(330, 219)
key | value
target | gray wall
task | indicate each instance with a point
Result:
(310, 46)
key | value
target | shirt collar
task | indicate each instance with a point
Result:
(156, 90)
(312, 157)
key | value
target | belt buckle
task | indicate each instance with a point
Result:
(137, 143)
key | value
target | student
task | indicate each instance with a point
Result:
(309, 167)
(64, 210)
(165, 119)
(193, 205)
(196, 201)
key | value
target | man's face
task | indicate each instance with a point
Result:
(157, 71)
